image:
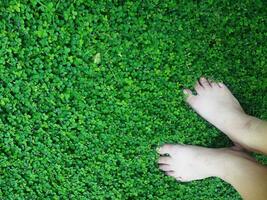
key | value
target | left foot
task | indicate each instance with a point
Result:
(215, 103)
(188, 163)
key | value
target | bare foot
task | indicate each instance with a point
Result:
(187, 163)
(215, 103)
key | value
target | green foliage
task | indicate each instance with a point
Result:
(88, 89)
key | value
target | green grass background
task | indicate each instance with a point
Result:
(89, 89)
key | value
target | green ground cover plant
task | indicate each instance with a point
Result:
(89, 89)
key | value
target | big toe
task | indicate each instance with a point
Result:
(165, 149)
(170, 149)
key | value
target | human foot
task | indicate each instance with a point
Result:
(187, 163)
(215, 103)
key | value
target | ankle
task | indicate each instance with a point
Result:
(250, 122)
(227, 162)
(254, 137)
(219, 163)
(241, 126)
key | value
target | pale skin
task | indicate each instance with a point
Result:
(215, 103)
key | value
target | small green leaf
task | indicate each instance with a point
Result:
(97, 58)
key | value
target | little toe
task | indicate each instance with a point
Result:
(164, 160)
(221, 85)
(179, 178)
(205, 83)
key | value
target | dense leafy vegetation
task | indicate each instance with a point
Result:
(88, 89)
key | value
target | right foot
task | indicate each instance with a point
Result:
(187, 163)
(215, 103)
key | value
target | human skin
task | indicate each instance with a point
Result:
(215, 103)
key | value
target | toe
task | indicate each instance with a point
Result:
(165, 167)
(164, 160)
(204, 82)
(188, 92)
(198, 88)
(179, 178)
(213, 84)
(166, 149)
(170, 173)
(189, 96)
(221, 85)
